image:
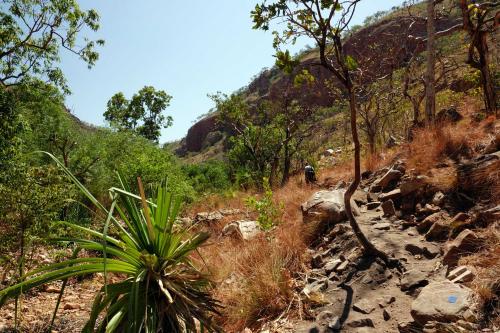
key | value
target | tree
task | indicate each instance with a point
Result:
(479, 21)
(324, 21)
(430, 89)
(142, 114)
(376, 105)
(32, 33)
(255, 142)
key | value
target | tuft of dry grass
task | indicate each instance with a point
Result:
(486, 284)
(254, 279)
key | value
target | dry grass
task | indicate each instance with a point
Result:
(254, 279)
(486, 284)
(434, 151)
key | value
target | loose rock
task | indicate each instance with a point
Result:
(442, 302)
(388, 208)
(466, 242)
(364, 306)
(208, 217)
(413, 279)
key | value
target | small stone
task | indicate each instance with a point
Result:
(382, 226)
(372, 205)
(324, 316)
(386, 315)
(438, 198)
(427, 223)
(389, 178)
(52, 289)
(465, 243)
(372, 197)
(438, 232)
(71, 306)
(317, 261)
(385, 300)
(411, 185)
(412, 279)
(208, 217)
(335, 324)
(364, 322)
(315, 287)
(388, 208)
(332, 265)
(394, 194)
(342, 267)
(466, 276)
(364, 306)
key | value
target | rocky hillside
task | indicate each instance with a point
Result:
(370, 46)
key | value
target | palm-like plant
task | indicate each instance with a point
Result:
(162, 290)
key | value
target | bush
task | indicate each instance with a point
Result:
(208, 177)
(161, 288)
(269, 212)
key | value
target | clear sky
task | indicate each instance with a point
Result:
(187, 48)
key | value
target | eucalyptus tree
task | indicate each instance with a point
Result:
(323, 21)
(33, 33)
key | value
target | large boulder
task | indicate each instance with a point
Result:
(442, 301)
(326, 207)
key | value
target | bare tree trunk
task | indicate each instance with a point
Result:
(286, 165)
(430, 89)
(274, 170)
(371, 141)
(490, 99)
(368, 247)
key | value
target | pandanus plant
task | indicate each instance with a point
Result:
(161, 290)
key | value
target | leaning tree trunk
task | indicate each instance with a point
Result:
(368, 247)
(430, 89)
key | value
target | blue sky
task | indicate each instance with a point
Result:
(187, 48)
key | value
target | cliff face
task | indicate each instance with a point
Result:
(379, 49)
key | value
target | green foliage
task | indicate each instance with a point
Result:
(269, 212)
(210, 176)
(285, 62)
(142, 114)
(161, 287)
(32, 33)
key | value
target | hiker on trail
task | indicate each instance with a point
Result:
(309, 174)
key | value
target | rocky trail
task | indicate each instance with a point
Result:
(410, 221)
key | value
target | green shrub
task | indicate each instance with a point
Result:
(269, 212)
(210, 176)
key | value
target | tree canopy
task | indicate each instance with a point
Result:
(32, 34)
(142, 114)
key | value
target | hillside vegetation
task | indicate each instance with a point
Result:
(105, 230)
